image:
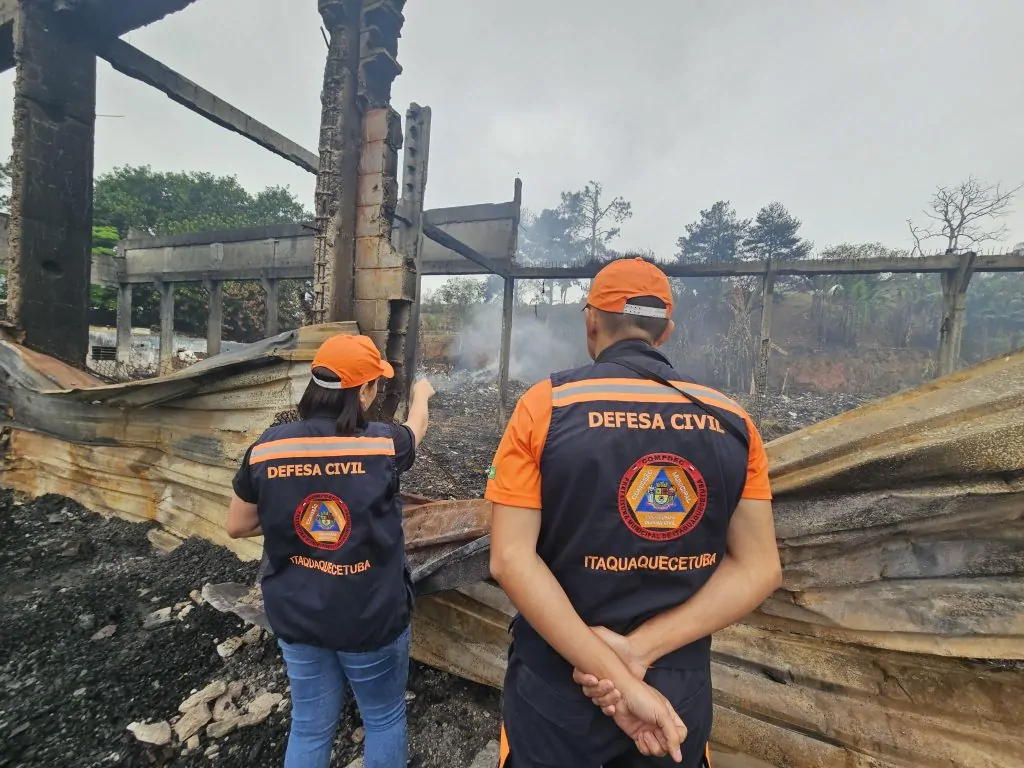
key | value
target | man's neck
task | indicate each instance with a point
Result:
(599, 348)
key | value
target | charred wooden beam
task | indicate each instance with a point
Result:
(140, 66)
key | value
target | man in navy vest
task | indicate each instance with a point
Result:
(632, 519)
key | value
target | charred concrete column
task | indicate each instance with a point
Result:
(272, 298)
(124, 327)
(166, 291)
(416, 160)
(954, 304)
(385, 280)
(761, 373)
(51, 185)
(508, 302)
(214, 316)
(340, 147)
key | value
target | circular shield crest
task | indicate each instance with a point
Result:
(662, 497)
(323, 521)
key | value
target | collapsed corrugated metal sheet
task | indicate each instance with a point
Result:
(896, 639)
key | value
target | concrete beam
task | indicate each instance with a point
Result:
(1009, 262)
(140, 66)
(286, 251)
(442, 238)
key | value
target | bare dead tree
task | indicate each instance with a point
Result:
(964, 216)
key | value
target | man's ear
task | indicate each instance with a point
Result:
(665, 336)
(590, 318)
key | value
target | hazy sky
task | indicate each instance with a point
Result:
(848, 113)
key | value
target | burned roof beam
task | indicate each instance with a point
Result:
(140, 66)
(102, 19)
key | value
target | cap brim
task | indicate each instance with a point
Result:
(387, 370)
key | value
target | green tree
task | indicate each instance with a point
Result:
(717, 236)
(546, 239)
(862, 299)
(102, 299)
(460, 294)
(773, 235)
(164, 203)
(592, 219)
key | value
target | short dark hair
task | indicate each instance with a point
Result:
(341, 404)
(621, 325)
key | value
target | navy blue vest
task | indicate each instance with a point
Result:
(337, 575)
(638, 488)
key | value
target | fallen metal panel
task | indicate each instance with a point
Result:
(897, 638)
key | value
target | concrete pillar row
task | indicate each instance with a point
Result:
(271, 289)
(214, 316)
(124, 328)
(166, 291)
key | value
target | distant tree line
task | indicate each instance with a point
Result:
(138, 200)
(716, 317)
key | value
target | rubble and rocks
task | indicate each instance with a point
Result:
(214, 690)
(192, 721)
(152, 733)
(133, 675)
(157, 619)
(72, 695)
(229, 647)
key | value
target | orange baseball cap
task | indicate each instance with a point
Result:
(355, 360)
(625, 279)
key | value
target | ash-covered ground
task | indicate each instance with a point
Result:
(78, 664)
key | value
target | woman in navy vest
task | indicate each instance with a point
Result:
(324, 494)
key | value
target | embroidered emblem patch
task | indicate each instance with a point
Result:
(323, 521)
(662, 497)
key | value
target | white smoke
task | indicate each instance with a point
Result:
(545, 339)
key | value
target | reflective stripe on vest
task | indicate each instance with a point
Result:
(321, 448)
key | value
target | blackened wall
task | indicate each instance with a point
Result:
(51, 180)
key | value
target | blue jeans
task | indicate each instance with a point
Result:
(378, 680)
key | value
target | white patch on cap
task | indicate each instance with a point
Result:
(635, 309)
(327, 384)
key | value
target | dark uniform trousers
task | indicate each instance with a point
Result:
(549, 726)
